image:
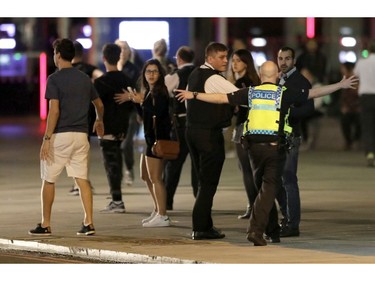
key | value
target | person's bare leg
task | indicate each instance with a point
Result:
(86, 200)
(145, 177)
(155, 170)
(47, 198)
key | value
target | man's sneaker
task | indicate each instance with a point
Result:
(86, 230)
(114, 207)
(40, 231)
(158, 221)
(153, 214)
(129, 177)
(74, 191)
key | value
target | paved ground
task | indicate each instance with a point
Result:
(337, 191)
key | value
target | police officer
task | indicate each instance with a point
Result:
(204, 136)
(266, 135)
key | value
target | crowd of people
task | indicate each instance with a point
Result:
(193, 104)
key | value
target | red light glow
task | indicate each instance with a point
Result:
(310, 28)
(42, 83)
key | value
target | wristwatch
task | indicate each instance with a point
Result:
(195, 94)
(46, 137)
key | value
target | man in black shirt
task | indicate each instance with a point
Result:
(116, 122)
(178, 80)
(204, 136)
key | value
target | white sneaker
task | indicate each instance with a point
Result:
(158, 221)
(153, 214)
(129, 177)
(114, 207)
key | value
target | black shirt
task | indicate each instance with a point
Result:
(116, 116)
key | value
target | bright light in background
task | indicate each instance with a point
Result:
(346, 30)
(143, 34)
(4, 59)
(348, 41)
(347, 56)
(43, 84)
(259, 58)
(259, 42)
(9, 28)
(13, 65)
(87, 30)
(7, 43)
(86, 42)
(364, 53)
(310, 27)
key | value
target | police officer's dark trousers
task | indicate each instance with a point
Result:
(267, 162)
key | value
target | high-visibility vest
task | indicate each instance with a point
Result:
(264, 114)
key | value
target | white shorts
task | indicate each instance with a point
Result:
(69, 150)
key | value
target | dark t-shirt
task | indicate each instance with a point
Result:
(290, 97)
(75, 91)
(89, 70)
(85, 67)
(116, 116)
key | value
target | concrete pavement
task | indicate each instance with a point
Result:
(337, 193)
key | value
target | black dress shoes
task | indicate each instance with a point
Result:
(257, 239)
(289, 232)
(213, 233)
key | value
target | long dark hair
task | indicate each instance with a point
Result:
(247, 58)
(160, 84)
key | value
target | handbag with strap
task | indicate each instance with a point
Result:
(166, 149)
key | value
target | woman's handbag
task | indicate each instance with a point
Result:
(166, 149)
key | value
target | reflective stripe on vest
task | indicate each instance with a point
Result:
(264, 114)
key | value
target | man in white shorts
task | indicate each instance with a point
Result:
(65, 142)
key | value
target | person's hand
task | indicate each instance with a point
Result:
(44, 150)
(350, 82)
(136, 97)
(120, 98)
(98, 128)
(183, 95)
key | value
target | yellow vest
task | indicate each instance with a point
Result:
(264, 114)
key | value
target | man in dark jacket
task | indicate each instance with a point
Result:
(288, 197)
(178, 80)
